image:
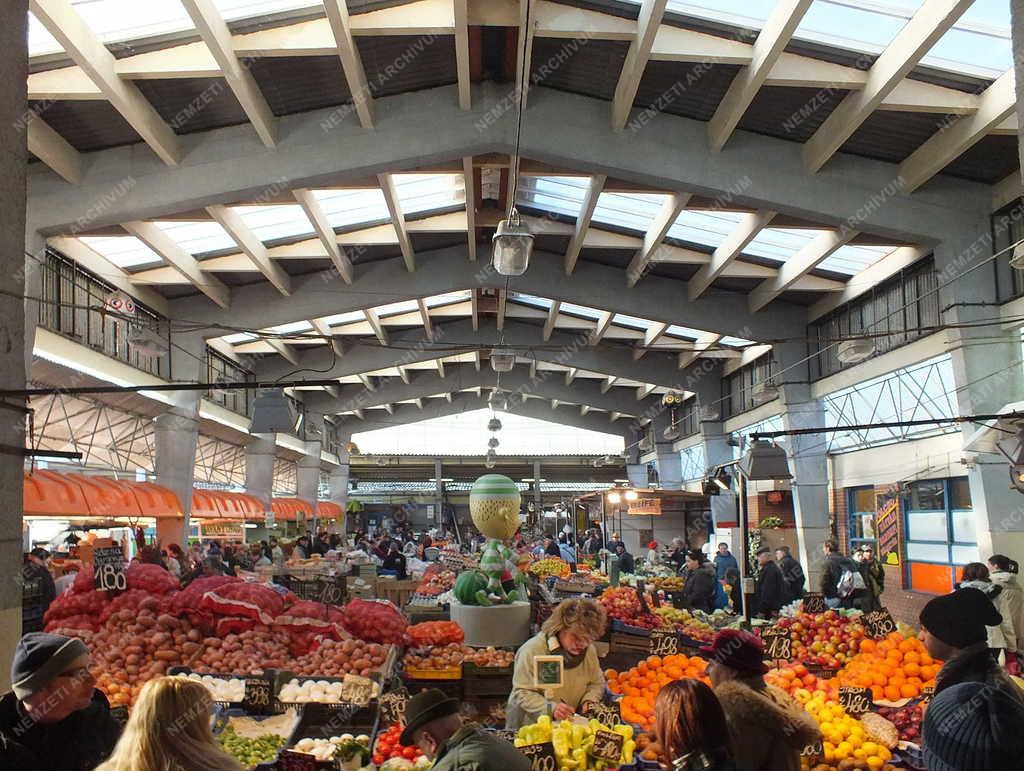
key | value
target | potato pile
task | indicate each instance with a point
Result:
(338, 658)
(491, 657)
(137, 645)
(244, 653)
(437, 656)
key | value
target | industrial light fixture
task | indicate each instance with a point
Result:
(1017, 258)
(708, 487)
(1013, 447)
(765, 460)
(493, 442)
(671, 433)
(855, 350)
(489, 463)
(494, 424)
(147, 341)
(273, 412)
(672, 398)
(710, 412)
(502, 360)
(119, 304)
(630, 495)
(596, 463)
(498, 402)
(512, 245)
(764, 392)
(614, 497)
(723, 479)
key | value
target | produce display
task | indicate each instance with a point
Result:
(829, 639)
(243, 653)
(847, 743)
(574, 742)
(648, 748)
(323, 691)
(794, 678)
(437, 657)
(436, 580)
(345, 748)
(906, 719)
(435, 633)
(375, 621)
(894, 668)
(685, 622)
(389, 746)
(490, 657)
(669, 583)
(550, 566)
(336, 658)
(640, 685)
(623, 604)
(468, 587)
(249, 751)
(222, 689)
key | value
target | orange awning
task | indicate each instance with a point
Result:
(328, 510)
(50, 494)
(221, 504)
(155, 500)
(288, 509)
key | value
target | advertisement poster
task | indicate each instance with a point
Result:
(887, 531)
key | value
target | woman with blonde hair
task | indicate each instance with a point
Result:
(567, 634)
(169, 730)
(691, 728)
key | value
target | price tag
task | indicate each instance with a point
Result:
(856, 701)
(290, 760)
(879, 623)
(108, 569)
(542, 756)
(507, 735)
(357, 690)
(606, 714)
(778, 643)
(392, 705)
(664, 643)
(259, 695)
(814, 602)
(820, 672)
(332, 590)
(926, 693)
(815, 750)
(607, 746)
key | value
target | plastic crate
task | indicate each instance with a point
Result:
(322, 721)
(486, 681)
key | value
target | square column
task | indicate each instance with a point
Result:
(670, 464)
(260, 454)
(307, 481)
(337, 484)
(176, 437)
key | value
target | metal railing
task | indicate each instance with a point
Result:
(73, 305)
(221, 369)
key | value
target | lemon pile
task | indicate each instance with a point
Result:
(844, 737)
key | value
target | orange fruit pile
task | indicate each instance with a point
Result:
(640, 685)
(894, 668)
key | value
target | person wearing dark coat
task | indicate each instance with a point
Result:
(54, 718)
(873, 573)
(38, 590)
(551, 548)
(954, 629)
(769, 591)
(792, 574)
(396, 561)
(699, 589)
(732, 577)
(835, 565)
(626, 562)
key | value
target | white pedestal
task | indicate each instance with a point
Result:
(498, 625)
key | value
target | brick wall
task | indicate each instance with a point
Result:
(904, 605)
(840, 521)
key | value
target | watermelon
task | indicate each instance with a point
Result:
(467, 585)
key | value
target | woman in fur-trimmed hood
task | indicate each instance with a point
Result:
(769, 728)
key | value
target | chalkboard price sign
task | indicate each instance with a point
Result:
(778, 643)
(606, 714)
(108, 569)
(507, 735)
(290, 760)
(879, 623)
(332, 590)
(392, 705)
(259, 695)
(664, 643)
(607, 745)
(815, 750)
(926, 693)
(856, 701)
(814, 602)
(542, 756)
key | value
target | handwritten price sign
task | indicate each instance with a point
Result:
(815, 750)
(879, 623)
(108, 569)
(606, 714)
(664, 643)
(607, 746)
(542, 756)
(778, 643)
(259, 695)
(392, 705)
(856, 701)
(814, 602)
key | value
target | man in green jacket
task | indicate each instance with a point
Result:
(433, 723)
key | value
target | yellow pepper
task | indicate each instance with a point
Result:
(626, 731)
(627, 752)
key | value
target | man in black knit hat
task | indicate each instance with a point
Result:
(54, 719)
(953, 630)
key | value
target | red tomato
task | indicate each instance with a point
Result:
(409, 752)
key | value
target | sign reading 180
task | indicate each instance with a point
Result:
(108, 569)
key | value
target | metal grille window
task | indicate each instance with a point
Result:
(221, 369)
(72, 306)
(694, 462)
(1008, 229)
(895, 312)
(737, 388)
(686, 418)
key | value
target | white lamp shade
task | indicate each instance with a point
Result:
(513, 243)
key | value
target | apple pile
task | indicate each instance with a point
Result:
(622, 603)
(907, 720)
(828, 639)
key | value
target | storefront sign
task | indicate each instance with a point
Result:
(108, 569)
(607, 745)
(646, 507)
(887, 515)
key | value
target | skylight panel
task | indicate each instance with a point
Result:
(704, 227)
(244, 9)
(560, 195)
(852, 259)
(344, 318)
(780, 243)
(40, 41)
(115, 20)
(689, 332)
(392, 309)
(528, 299)
(295, 326)
(425, 192)
(198, 237)
(270, 223)
(239, 337)
(736, 342)
(633, 211)
(967, 51)
(446, 299)
(581, 310)
(850, 27)
(346, 208)
(123, 251)
(631, 321)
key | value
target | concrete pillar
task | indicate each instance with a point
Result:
(808, 459)
(260, 454)
(337, 484)
(538, 499)
(176, 436)
(717, 451)
(438, 493)
(13, 161)
(670, 464)
(1017, 37)
(636, 473)
(986, 378)
(307, 480)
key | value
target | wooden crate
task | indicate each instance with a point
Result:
(398, 592)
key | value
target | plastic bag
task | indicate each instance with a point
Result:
(375, 621)
(243, 599)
